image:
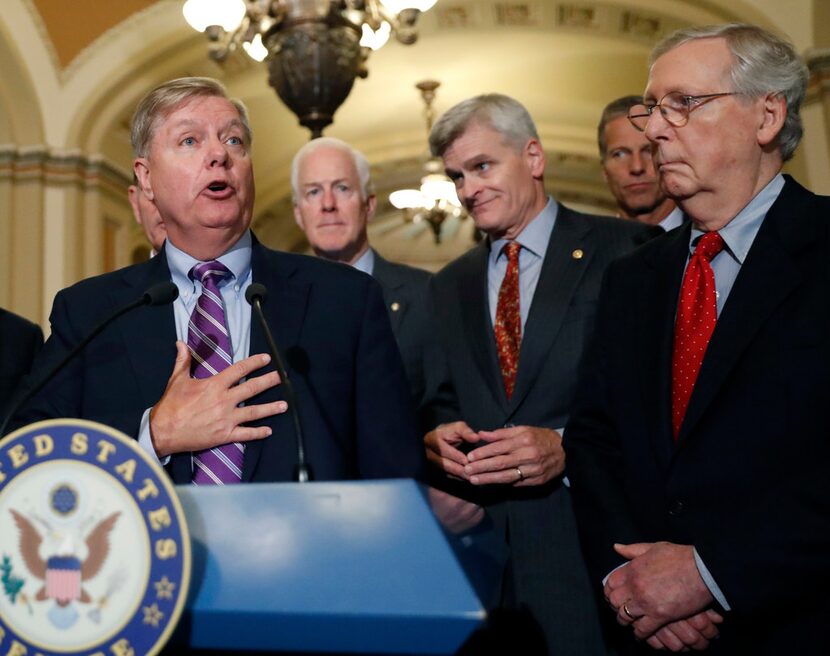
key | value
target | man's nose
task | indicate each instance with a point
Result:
(218, 153)
(329, 202)
(466, 189)
(637, 163)
(657, 126)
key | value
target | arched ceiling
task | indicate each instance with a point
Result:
(564, 59)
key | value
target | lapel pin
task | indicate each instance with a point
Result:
(577, 254)
(395, 306)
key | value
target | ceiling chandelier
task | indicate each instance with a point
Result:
(314, 48)
(434, 203)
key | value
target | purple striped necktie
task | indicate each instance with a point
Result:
(210, 351)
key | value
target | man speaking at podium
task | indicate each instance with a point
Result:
(170, 374)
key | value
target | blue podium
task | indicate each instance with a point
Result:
(360, 567)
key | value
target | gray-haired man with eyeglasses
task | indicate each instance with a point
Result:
(699, 451)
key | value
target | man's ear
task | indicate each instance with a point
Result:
(132, 195)
(141, 168)
(371, 206)
(774, 113)
(298, 217)
(535, 157)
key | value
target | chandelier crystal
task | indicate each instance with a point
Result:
(435, 201)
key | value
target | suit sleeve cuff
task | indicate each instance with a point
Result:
(145, 441)
(709, 580)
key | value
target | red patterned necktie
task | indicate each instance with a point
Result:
(697, 314)
(508, 319)
(210, 351)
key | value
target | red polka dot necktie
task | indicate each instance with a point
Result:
(697, 314)
(508, 326)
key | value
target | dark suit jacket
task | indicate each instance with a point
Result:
(748, 483)
(335, 337)
(20, 340)
(405, 293)
(464, 382)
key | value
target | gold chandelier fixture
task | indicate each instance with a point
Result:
(314, 49)
(435, 202)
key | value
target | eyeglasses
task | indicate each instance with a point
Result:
(675, 107)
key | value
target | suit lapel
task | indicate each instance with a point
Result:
(390, 285)
(657, 336)
(148, 332)
(558, 280)
(284, 310)
(151, 345)
(768, 275)
(476, 326)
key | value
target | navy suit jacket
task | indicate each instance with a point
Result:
(20, 340)
(464, 383)
(406, 295)
(334, 334)
(748, 482)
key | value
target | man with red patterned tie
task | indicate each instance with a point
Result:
(698, 450)
(192, 381)
(512, 316)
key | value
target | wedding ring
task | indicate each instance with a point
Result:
(521, 475)
(626, 611)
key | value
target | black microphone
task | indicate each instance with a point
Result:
(256, 295)
(163, 293)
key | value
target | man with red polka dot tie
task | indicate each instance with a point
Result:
(698, 452)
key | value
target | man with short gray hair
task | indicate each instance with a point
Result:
(193, 380)
(333, 204)
(698, 450)
(511, 320)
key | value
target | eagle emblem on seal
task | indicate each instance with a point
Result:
(63, 573)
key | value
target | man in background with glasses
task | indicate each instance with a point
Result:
(698, 452)
(628, 168)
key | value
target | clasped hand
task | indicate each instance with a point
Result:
(195, 414)
(535, 452)
(661, 595)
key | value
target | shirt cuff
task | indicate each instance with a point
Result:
(709, 580)
(145, 440)
(565, 480)
(605, 579)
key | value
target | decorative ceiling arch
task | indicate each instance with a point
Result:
(563, 58)
(21, 121)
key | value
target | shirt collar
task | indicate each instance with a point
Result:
(536, 235)
(237, 258)
(366, 262)
(740, 232)
(672, 220)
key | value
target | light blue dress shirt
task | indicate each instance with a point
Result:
(738, 236)
(673, 220)
(366, 262)
(237, 309)
(534, 240)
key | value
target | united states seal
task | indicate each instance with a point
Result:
(94, 548)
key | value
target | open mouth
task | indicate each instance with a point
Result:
(219, 189)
